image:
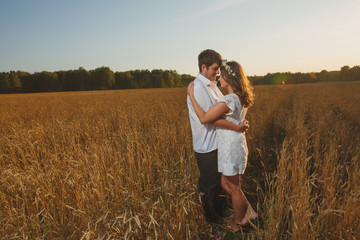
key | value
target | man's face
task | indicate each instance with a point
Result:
(210, 72)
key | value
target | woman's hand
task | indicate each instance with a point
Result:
(190, 89)
(243, 126)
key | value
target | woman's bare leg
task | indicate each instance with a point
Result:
(238, 199)
(225, 185)
(250, 212)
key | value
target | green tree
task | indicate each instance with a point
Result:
(353, 74)
(103, 78)
(15, 82)
(168, 79)
(323, 76)
(344, 73)
(4, 82)
(22, 76)
(123, 80)
(141, 79)
(157, 78)
(333, 76)
(145, 79)
(82, 78)
(69, 81)
(186, 79)
(177, 79)
(47, 82)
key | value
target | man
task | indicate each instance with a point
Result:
(207, 94)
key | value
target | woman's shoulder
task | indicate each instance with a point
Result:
(233, 99)
(230, 101)
(229, 97)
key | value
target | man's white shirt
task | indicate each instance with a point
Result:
(206, 94)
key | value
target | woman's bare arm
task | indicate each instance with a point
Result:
(213, 115)
(223, 123)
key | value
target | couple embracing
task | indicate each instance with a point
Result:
(218, 129)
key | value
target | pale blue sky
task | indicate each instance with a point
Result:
(262, 35)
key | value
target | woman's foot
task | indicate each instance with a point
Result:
(235, 227)
(250, 215)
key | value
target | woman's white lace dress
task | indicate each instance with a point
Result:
(232, 147)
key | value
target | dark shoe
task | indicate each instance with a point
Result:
(228, 214)
(212, 216)
(214, 220)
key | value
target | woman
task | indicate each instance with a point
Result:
(232, 147)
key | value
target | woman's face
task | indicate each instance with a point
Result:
(223, 83)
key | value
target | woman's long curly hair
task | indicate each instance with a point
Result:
(239, 83)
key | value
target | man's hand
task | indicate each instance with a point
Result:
(243, 126)
(190, 89)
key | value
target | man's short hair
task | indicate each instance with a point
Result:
(208, 57)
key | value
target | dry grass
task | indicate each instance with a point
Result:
(120, 165)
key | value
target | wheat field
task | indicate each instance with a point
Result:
(120, 165)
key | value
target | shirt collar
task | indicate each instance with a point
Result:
(205, 81)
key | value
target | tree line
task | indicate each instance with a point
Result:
(345, 74)
(104, 78)
(82, 80)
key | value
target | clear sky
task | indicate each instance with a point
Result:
(262, 35)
